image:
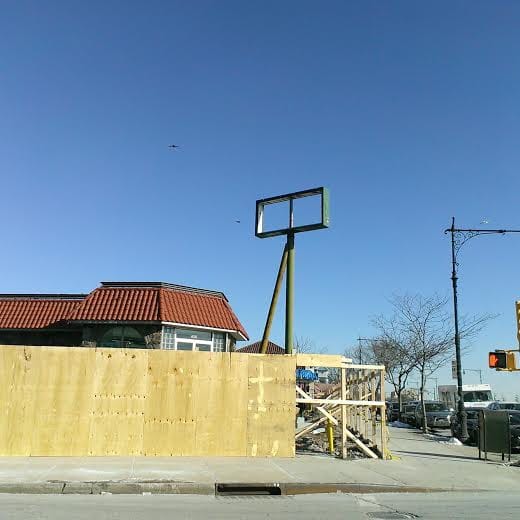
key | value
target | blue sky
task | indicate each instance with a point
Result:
(407, 111)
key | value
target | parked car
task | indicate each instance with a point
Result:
(472, 421)
(504, 405)
(408, 412)
(437, 414)
(392, 412)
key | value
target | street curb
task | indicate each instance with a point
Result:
(108, 487)
(301, 488)
(192, 488)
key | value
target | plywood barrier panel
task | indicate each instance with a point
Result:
(6, 386)
(118, 402)
(15, 401)
(234, 405)
(22, 401)
(48, 401)
(62, 399)
(197, 404)
(271, 406)
(79, 401)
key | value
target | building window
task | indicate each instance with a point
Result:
(124, 336)
(191, 339)
(204, 335)
(218, 342)
(168, 338)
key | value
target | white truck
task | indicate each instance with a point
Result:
(475, 396)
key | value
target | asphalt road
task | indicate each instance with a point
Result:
(443, 506)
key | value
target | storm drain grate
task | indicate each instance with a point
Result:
(247, 489)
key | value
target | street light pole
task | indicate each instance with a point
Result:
(360, 349)
(461, 413)
(459, 237)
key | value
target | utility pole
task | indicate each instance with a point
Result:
(459, 237)
(360, 349)
(474, 370)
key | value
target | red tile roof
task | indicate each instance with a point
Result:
(119, 304)
(120, 301)
(254, 348)
(159, 303)
(34, 313)
(198, 309)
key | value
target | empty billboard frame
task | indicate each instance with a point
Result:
(321, 192)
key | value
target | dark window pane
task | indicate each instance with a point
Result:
(194, 334)
(184, 346)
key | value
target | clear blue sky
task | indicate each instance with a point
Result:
(408, 111)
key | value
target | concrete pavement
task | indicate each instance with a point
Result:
(421, 464)
(438, 506)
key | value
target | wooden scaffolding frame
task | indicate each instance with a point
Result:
(353, 405)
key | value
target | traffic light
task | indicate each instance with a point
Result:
(498, 360)
(501, 360)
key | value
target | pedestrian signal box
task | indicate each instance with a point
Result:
(501, 360)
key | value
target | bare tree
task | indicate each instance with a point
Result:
(387, 351)
(305, 345)
(422, 327)
(392, 351)
(361, 353)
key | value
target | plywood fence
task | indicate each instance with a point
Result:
(82, 401)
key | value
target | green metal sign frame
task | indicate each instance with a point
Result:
(287, 262)
(322, 192)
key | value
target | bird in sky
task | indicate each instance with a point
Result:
(484, 221)
(237, 221)
(173, 146)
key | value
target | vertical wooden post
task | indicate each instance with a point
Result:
(373, 410)
(343, 415)
(365, 408)
(383, 416)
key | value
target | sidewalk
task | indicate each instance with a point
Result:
(421, 464)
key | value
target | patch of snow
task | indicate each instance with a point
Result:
(399, 424)
(434, 437)
(300, 422)
(441, 439)
(318, 430)
(453, 441)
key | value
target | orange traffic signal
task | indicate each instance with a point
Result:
(497, 360)
(500, 360)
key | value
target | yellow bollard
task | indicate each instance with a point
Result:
(330, 435)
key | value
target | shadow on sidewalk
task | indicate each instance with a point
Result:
(423, 454)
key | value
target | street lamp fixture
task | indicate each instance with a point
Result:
(459, 237)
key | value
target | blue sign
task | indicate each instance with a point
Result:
(305, 375)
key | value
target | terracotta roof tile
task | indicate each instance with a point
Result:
(198, 309)
(137, 301)
(159, 303)
(107, 304)
(32, 313)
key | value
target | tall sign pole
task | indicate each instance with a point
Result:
(287, 263)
